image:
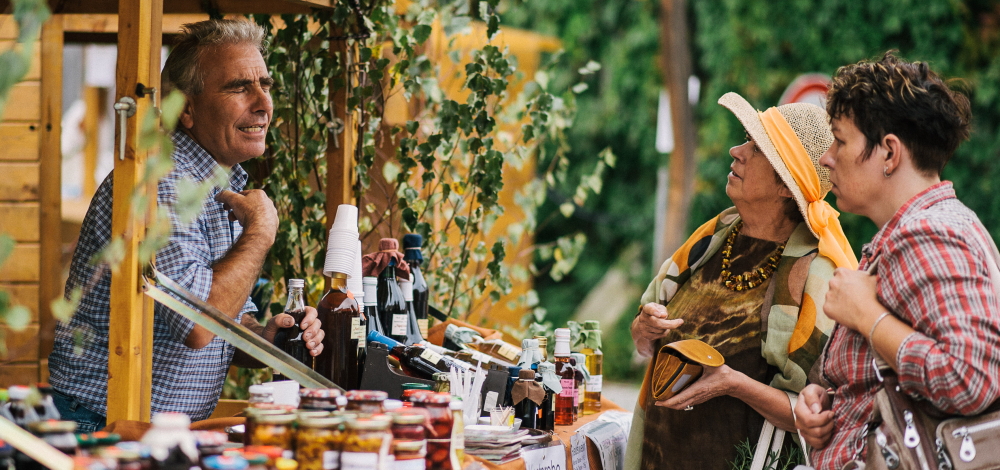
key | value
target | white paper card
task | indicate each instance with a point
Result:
(610, 441)
(491, 401)
(551, 457)
(578, 449)
(595, 383)
(357, 331)
(399, 324)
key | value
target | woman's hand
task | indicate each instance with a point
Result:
(714, 382)
(851, 300)
(814, 417)
(651, 325)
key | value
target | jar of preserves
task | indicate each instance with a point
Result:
(260, 395)
(436, 405)
(308, 414)
(324, 399)
(318, 442)
(273, 430)
(253, 414)
(408, 427)
(409, 394)
(367, 443)
(365, 401)
(442, 382)
(410, 455)
(58, 434)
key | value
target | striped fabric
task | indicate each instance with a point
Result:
(184, 380)
(933, 275)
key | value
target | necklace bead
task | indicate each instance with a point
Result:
(752, 278)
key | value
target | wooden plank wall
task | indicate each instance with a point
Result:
(29, 206)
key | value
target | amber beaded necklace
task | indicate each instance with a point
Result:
(755, 276)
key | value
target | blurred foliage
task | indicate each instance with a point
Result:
(755, 48)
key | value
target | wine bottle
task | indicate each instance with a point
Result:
(421, 294)
(565, 409)
(290, 339)
(595, 365)
(391, 304)
(371, 306)
(340, 317)
(412, 329)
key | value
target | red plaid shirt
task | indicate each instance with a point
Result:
(933, 275)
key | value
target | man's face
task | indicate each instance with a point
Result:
(229, 118)
(855, 182)
(753, 183)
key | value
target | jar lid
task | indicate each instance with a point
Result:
(172, 420)
(296, 283)
(432, 398)
(260, 389)
(319, 393)
(408, 418)
(254, 411)
(324, 422)
(350, 414)
(52, 426)
(18, 392)
(408, 445)
(271, 452)
(416, 386)
(210, 438)
(301, 414)
(391, 405)
(408, 395)
(366, 395)
(276, 419)
(456, 404)
(375, 423)
(226, 462)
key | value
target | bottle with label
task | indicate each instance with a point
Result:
(595, 365)
(526, 409)
(421, 294)
(412, 329)
(543, 346)
(547, 377)
(565, 410)
(23, 413)
(290, 339)
(340, 316)
(457, 451)
(582, 376)
(577, 384)
(373, 321)
(391, 304)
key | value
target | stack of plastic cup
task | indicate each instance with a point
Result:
(341, 250)
(354, 280)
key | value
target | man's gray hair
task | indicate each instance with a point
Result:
(182, 70)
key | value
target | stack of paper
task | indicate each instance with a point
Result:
(497, 444)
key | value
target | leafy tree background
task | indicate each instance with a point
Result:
(755, 48)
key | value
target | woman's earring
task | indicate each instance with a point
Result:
(885, 172)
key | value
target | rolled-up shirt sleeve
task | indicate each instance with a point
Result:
(947, 296)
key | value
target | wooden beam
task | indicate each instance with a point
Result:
(50, 185)
(130, 333)
(340, 148)
(676, 66)
(92, 99)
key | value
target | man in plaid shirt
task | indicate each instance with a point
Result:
(930, 308)
(219, 67)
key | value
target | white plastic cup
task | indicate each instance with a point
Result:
(347, 219)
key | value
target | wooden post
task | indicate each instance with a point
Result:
(676, 56)
(93, 100)
(131, 334)
(340, 147)
(50, 196)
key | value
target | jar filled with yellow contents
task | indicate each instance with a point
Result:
(366, 443)
(273, 430)
(253, 414)
(318, 442)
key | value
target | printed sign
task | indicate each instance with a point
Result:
(399, 324)
(547, 457)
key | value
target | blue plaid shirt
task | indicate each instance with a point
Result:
(185, 380)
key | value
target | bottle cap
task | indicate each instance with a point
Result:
(18, 392)
(296, 283)
(456, 405)
(391, 405)
(407, 288)
(592, 325)
(261, 389)
(562, 333)
(562, 342)
(526, 374)
(370, 290)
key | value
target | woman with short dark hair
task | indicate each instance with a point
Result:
(929, 308)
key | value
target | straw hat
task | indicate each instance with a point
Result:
(811, 125)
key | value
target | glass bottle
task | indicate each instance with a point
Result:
(547, 410)
(414, 335)
(595, 365)
(580, 364)
(421, 294)
(23, 413)
(577, 382)
(391, 304)
(567, 378)
(371, 305)
(543, 346)
(340, 317)
(526, 409)
(290, 339)
(457, 451)
(261, 396)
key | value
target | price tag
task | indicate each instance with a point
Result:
(431, 356)
(568, 388)
(399, 324)
(491, 400)
(357, 330)
(422, 325)
(594, 384)
(508, 352)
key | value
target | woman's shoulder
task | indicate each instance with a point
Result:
(947, 222)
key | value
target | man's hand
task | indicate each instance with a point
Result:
(851, 300)
(651, 325)
(814, 417)
(253, 209)
(714, 382)
(312, 329)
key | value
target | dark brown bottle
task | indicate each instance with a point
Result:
(340, 318)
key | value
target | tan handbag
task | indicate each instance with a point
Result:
(679, 364)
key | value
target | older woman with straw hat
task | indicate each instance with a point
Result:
(750, 283)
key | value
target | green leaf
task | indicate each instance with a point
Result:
(421, 32)
(63, 309)
(17, 317)
(6, 247)
(170, 109)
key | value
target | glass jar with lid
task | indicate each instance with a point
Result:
(436, 405)
(410, 455)
(318, 442)
(365, 401)
(253, 414)
(273, 430)
(408, 426)
(58, 434)
(261, 395)
(324, 399)
(366, 443)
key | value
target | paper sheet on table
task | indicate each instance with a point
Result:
(578, 451)
(551, 456)
(608, 433)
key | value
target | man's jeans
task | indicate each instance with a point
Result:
(71, 410)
